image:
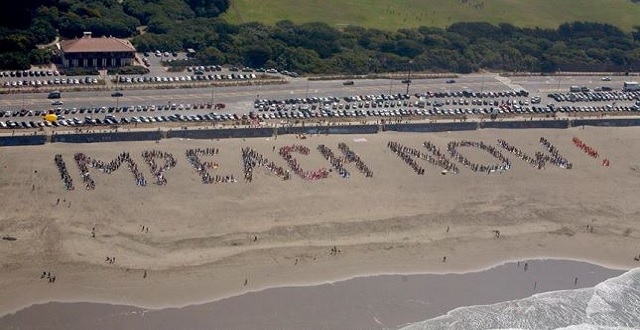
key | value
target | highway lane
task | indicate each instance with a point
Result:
(238, 98)
(294, 88)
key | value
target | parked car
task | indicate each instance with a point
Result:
(348, 83)
(450, 81)
(117, 94)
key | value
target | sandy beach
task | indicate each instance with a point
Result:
(211, 241)
(374, 302)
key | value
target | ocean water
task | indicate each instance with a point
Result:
(612, 304)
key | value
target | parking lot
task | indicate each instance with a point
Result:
(373, 107)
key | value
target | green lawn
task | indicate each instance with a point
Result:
(395, 14)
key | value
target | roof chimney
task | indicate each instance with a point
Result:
(86, 34)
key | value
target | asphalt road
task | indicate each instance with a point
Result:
(240, 98)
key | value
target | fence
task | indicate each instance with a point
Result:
(613, 122)
(432, 127)
(227, 133)
(525, 124)
(342, 129)
(107, 137)
(27, 140)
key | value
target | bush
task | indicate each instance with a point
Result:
(128, 70)
(81, 72)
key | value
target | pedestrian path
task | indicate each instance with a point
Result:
(507, 81)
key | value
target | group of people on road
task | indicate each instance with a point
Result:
(202, 167)
(505, 164)
(84, 162)
(251, 159)
(64, 173)
(286, 151)
(405, 153)
(353, 158)
(556, 158)
(149, 157)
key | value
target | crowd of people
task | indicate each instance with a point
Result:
(537, 161)
(336, 162)
(149, 156)
(438, 158)
(202, 167)
(505, 164)
(251, 159)
(586, 148)
(405, 154)
(589, 150)
(84, 162)
(64, 173)
(556, 158)
(286, 151)
(353, 158)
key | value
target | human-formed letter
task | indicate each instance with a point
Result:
(202, 167)
(252, 159)
(158, 172)
(504, 165)
(285, 152)
(64, 173)
(352, 157)
(84, 162)
(539, 159)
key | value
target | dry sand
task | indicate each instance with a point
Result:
(200, 245)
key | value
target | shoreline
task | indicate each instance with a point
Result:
(373, 289)
(312, 283)
(201, 236)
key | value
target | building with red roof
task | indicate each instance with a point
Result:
(97, 52)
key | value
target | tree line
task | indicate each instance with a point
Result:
(173, 25)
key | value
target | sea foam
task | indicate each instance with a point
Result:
(612, 304)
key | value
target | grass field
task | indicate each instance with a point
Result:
(395, 14)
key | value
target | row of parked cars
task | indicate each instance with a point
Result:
(596, 96)
(473, 94)
(51, 82)
(110, 110)
(174, 79)
(303, 113)
(30, 73)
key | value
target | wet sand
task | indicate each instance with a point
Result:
(376, 302)
(201, 242)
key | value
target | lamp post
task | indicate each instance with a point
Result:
(409, 76)
(559, 76)
(117, 97)
(306, 94)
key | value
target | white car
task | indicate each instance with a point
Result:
(606, 79)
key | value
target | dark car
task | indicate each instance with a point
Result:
(348, 83)
(406, 81)
(450, 81)
(117, 94)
